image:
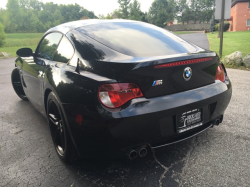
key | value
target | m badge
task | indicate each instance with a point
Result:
(157, 82)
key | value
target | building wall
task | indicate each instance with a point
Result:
(233, 15)
(240, 13)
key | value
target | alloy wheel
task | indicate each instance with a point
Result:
(57, 127)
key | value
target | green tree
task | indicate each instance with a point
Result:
(187, 15)
(109, 16)
(2, 13)
(183, 10)
(91, 14)
(207, 10)
(2, 35)
(13, 16)
(101, 16)
(196, 9)
(51, 16)
(162, 12)
(28, 21)
(117, 13)
(144, 17)
(75, 12)
(31, 4)
(135, 12)
(36, 5)
(124, 9)
(35, 16)
(71, 12)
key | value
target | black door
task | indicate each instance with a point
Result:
(33, 67)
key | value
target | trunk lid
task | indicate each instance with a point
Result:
(170, 78)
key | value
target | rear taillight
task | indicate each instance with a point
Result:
(117, 94)
(220, 74)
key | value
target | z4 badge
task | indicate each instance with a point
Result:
(157, 82)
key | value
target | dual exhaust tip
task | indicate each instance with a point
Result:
(142, 151)
(133, 153)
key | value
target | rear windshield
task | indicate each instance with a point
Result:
(137, 39)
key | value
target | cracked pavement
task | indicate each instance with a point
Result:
(219, 156)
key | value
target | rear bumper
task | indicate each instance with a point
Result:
(144, 121)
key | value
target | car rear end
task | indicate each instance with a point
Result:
(148, 121)
(151, 100)
(164, 108)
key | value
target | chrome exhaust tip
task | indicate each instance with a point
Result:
(132, 154)
(142, 152)
(221, 119)
(218, 121)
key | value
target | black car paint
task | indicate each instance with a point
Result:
(148, 120)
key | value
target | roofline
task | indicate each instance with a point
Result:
(238, 1)
(67, 27)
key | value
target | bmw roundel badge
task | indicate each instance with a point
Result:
(187, 74)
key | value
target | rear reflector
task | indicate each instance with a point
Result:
(180, 63)
(79, 119)
(220, 74)
(115, 95)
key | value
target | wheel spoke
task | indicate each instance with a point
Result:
(53, 119)
(61, 134)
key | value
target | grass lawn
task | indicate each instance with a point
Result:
(15, 41)
(12, 50)
(232, 41)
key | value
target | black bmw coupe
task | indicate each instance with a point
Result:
(120, 87)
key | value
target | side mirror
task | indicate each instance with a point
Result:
(24, 52)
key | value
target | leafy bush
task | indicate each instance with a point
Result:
(216, 27)
(226, 26)
(2, 35)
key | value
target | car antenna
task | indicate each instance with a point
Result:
(78, 66)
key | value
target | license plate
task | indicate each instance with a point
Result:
(189, 120)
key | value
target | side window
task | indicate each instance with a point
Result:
(64, 51)
(48, 45)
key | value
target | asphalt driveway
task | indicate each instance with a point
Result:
(219, 156)
(198, 38)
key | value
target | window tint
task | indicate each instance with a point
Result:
(48, 45)
(64, 51)
(249, 5)
(137, 39)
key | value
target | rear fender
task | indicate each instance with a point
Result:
(72, 88)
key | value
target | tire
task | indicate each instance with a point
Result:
(17, 84)
(62, 141)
